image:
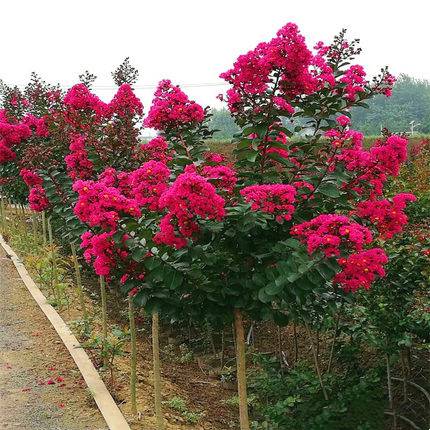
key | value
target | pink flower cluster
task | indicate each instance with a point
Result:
(172, 108)
(281, 103)
(276, 199)
(10, 135)
(156, 149)
(389, 217)
(329, 232)
(355, 81)
(304, 189)
(148, 183)
(100, 250)
(37, 124)
(343, 120)
(190, 197)
(125, 103)
(79, 166)
(223, 177)
(37, 199)
(37, 196)
(100, 205)
(373, 166)
(79, 97)
(214, 157)
(287, 57)
(30, 178)
(360, 270)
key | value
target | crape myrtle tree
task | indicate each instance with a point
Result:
(288, 232)
(67, 139)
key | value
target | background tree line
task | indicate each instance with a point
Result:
(410, 102)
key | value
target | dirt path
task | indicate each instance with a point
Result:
(40, 385)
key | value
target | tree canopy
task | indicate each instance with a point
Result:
(410, 102)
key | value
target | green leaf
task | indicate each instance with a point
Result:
(138, 254)
(329, 189)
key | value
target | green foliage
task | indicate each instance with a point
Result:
(387, 315)
(410, 102)
(223, 123)
(293, 399)
(179, 405)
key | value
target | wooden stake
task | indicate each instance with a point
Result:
(44, 228)
(133, 356)
(3, 215)
(390, 392)
(104, 318)
(157, 370)
(54, 263)
(241, 370)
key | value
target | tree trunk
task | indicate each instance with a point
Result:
(157, 371)
(296, 344)
(133, 356)
(104, 318)
(390, 392)
(241, 370)
(317, 364)
(333, 343)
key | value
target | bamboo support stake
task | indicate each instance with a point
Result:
(54, 263)
(157, 370)
(241, 370)
(104, 318)
(34, 225)
(3, 215)
(133, 356)
(44, 227)
(79, 282)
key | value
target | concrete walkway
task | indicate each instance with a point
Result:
(40, 385)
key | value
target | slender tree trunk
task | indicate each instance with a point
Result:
(296, 344)
(316, 361)
(222, 348)
(79, 282)
(157, 370)
(133, 356)
(333, 343)
(405, 376)
(210, 337)
(104, 318)
(390, 392)
(281, 361)
(241, 370)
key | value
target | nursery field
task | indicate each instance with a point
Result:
(275, 281)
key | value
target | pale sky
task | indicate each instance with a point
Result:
(191, 41)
